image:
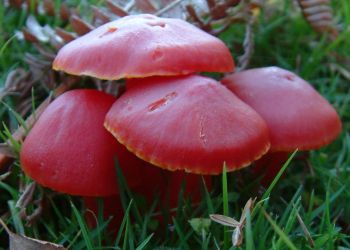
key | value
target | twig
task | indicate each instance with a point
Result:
(304, 228)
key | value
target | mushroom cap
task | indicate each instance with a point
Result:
(296, 114)
(144, 45)
(69, 150)
(189, 123)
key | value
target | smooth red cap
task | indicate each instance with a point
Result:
(296, 114)
(69, 150)
(189, 123)
(144, 45)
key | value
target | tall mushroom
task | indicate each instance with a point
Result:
(297, 116)
(144, 45)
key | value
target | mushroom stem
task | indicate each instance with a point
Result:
(268, 166)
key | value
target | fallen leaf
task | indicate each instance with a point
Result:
(21, 242)
(36, 29)
(224, 220)
(7, 150)
(248, 207)
(237, 235)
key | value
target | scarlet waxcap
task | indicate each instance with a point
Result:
(144, 45)
(69, 150)
(296, 114)
(189, 123)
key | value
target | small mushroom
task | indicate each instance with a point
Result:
(297, 116)
(144, 45)
(69, 150)
(189, 123)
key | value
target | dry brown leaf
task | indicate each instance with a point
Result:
(116, 9)
(319, 15)
(100, 16)
(49, 7)
(65, 12)
(5, 175)
(65, 35)
(79, 26)
(237, 235)
(342, 70)
(224, 220)
(36, 29)
(7, 150)
(145, 6)
(22, 242)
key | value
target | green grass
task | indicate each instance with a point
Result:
(307, 206)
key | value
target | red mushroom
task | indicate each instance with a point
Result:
(144, 45)
(68, 149)
(189, 123)
(297, 116)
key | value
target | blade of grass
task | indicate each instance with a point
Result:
(17, 116)
(294, 201)
(17, 222)
(208, 199)
(57, 212)
(73, 240)
(306, 231)
(321, 208)
(9, 138)
(33, 104)
(125, 193)
(83, 227)
(144, 243)
(11, 190)
(130, 235)
(122, 225)
(311, 203)
(225, 204)
(6, 44)
(278, 176)
(126, 234)
(180, 201)
(288, 225)
(147, 218)
(183, 243)
(249, 241)
(279, 231)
